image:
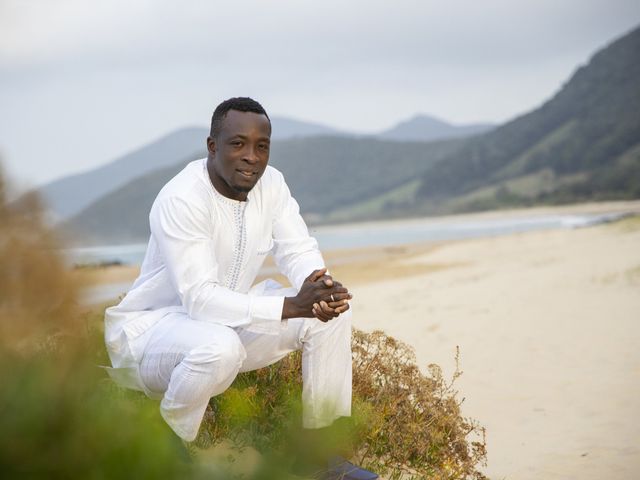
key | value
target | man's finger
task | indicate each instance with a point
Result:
(319, 314)
(338, 297)
(342, 309)
(317, 274)
(334, 291)
(327, 310)
(338, 304)
(316, 311)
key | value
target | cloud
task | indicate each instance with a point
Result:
(301, 33)
(114, 74)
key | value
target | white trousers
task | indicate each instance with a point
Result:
(187, 362)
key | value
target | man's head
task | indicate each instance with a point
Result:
(240, 104)
(238, 146)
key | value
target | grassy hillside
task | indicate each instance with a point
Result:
(583, 144)
(329, 174)
(325, 174)
(70, 195)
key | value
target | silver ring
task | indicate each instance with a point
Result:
(332, 299)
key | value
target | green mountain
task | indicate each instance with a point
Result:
(582, 144)
(323, 173)
(69, 195)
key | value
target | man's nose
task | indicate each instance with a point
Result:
(251, 156)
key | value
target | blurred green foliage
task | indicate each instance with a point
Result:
(59, 415)
(62, 419)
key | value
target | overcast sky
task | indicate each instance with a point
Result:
(83, 81)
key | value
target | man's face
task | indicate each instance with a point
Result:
(239, 155)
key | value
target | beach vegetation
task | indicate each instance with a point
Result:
(62, 417)
(405, 423)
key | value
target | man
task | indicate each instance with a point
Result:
(192, 320)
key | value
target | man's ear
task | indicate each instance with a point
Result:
(211, 145)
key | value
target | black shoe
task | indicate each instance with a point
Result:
(342, 469)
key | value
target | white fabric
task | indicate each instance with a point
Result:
(204, 253)
(186, 362)
(203, 256)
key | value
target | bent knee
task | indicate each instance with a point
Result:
(336, 327)
(226, 351)
(341, 322)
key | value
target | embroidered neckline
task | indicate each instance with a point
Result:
(232, 275)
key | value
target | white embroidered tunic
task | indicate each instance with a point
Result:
(203, 256)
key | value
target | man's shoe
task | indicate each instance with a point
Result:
(342, 469)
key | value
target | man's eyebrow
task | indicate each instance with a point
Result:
(263, 139)
(244, 137)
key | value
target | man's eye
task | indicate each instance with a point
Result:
(236, 143)
(263, 146)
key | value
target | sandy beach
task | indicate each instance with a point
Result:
(548, 326)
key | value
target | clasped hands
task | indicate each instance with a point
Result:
(320, 296)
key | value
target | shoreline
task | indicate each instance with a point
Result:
(547, 326)
(590, 208)
(569, 209)
(103, 275)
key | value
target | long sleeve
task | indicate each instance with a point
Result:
(296, 254)
(182, 231)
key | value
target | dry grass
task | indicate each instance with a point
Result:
(37, 296)
(415, 426)
(404, 424)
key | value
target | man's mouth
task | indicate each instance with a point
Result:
(247, 173)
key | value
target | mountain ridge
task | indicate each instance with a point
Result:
(422, 127)
(582, 144)
(583, 129)
(320, 172)
(69, 195)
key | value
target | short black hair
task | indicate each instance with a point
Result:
(241, 104)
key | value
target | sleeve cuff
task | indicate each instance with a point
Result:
(266, 314)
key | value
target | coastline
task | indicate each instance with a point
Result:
(547, 325)
(113, 274)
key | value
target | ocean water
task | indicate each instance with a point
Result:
(384, 233)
